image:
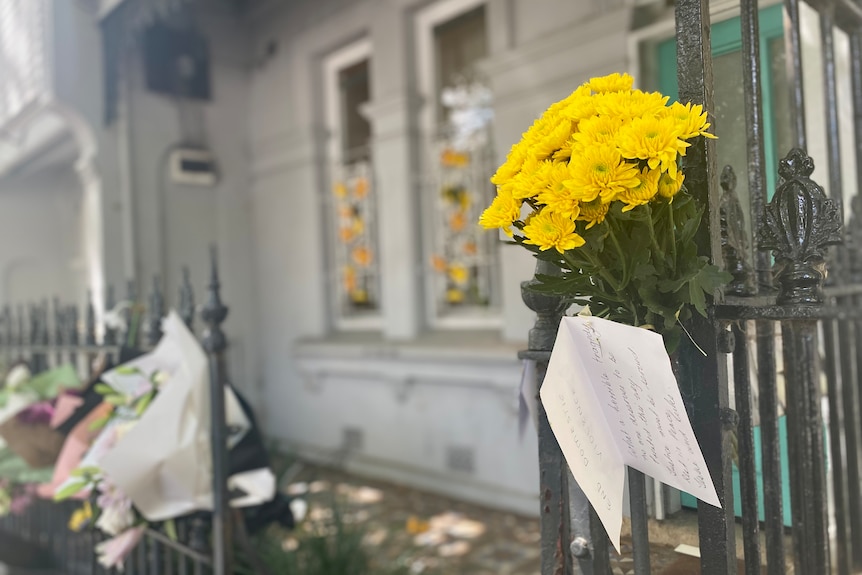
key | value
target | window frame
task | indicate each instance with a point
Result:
(426, 22)
(332, 65)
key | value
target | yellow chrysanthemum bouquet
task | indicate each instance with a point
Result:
(596, 186)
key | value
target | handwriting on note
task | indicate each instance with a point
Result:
(612, 400)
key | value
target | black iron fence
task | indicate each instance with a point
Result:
(46, 335)
(780, 293)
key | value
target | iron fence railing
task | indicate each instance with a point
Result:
(46, 335)
(780, 292)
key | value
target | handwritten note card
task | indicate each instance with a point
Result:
(612, 400)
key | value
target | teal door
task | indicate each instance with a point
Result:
(731, 148)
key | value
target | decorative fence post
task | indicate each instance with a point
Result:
(703, 375)
(553, 471)
(187, 299)
(798, 225)
(213, 314)
(155, 313)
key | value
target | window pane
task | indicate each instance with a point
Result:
(458, 45)
(355, 90)
(461, 267)
(355, 272)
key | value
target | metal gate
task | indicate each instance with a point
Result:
(781, 301)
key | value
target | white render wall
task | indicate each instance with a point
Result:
(417, 398)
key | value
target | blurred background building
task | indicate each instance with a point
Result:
(338, 152)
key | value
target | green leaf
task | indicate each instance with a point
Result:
(48, 384)
(707, 280)
(116, 399)
(697, 297)
(72, 489)
(104, 389)
(99, 423)
(88, 471)
(144, 402)
(127, 370)
(171, 530)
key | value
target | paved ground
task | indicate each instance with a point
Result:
(434, 535)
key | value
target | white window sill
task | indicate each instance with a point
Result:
(466, 346)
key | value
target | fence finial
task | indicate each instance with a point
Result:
(110, 304)
(7, 325)
(187, 299)
(90, 328)
(798, 225)
(156, 311)
(214, 311)
(72, 324)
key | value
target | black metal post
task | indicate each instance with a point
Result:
(187, 299)
(155, 313)
(703, 381)
(553, 471)
(798, 226)
(213, 315)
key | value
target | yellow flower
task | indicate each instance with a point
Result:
(346, 235)
(580, 94)
(597, 130)
(579, 108)
(502, 212)
(668, 187)
(360, 188)
(81, 517)
(438, 263)
(340, 190)
(349, 279)
(556, 196)
(453, 159)
(599, 171)
(593, 213)
(362, 256)
(459, 274)
(529, 181)
(654, 140)
(510, 168)
(615, 82)
(643, 192)
(457, 221)
(359, 296)
(454, 295)
(690, 119)
(551, 230)
(629, 105)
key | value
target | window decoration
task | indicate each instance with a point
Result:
(353, 255)
(356, 249)
(462, 257)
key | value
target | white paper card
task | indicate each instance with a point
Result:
(612, 400)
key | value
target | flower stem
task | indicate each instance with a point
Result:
(623, 260)
(652, 237)
(672, 233)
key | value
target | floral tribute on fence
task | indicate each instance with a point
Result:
(133, 446)
(597, 187)
(30, 407)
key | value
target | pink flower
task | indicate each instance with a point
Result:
(113, 551)
(41, 412)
